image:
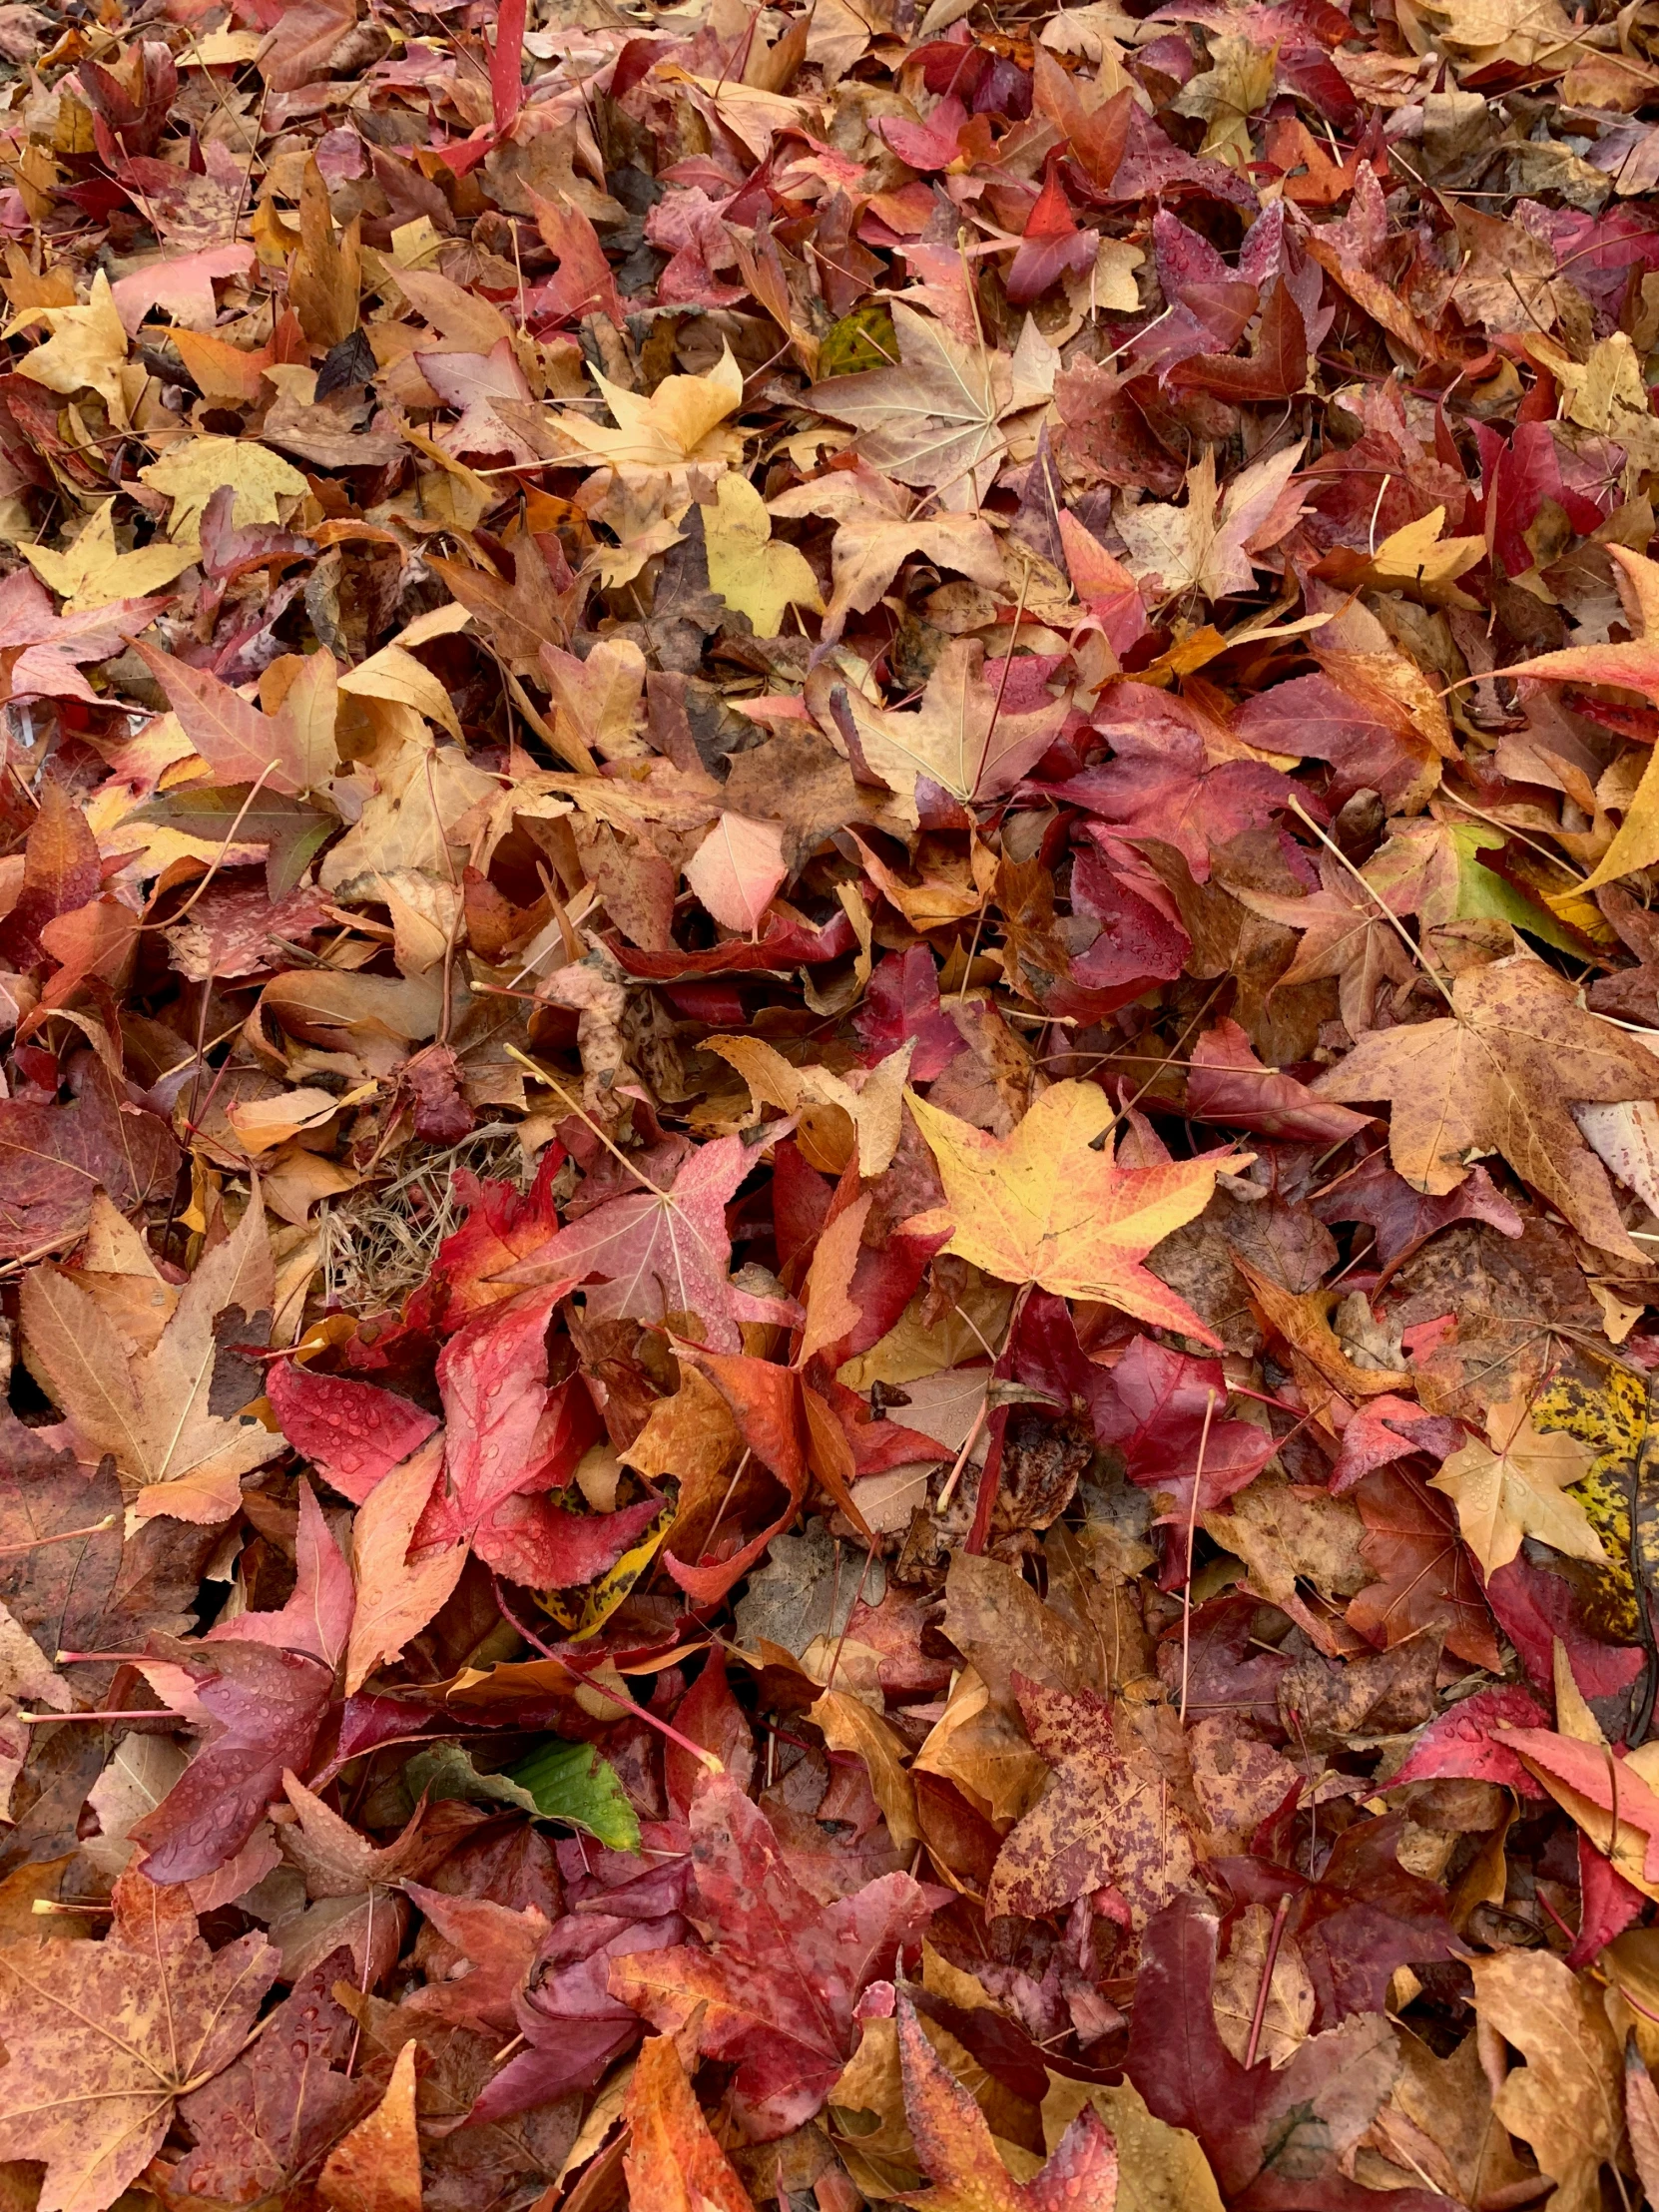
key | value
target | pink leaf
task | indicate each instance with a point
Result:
(661, 1253)
(507, 63)
(737, 870)
(183, 285)
(318, 1617)
(1462, 1742)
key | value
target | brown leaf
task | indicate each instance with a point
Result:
(1106, 1819)
(104, 2037)
(54, 1158)
(326, 275)
(154, 1412)
(1501, 1074)
(1567, 2100)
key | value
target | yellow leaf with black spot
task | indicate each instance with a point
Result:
(581, 1613)
(1617, 1420)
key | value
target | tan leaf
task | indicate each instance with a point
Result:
(1567, 2100)
(1515, 1485)
(1500, 1074)
(150, 1411)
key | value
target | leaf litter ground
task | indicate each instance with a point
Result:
(829, 1163)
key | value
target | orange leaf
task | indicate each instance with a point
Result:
(377, 2167)
(673, 2163)
(960, 2152)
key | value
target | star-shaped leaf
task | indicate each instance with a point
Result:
(105, 2037)
(1346, 934)
(776, 1994)
(1515, 1485)
(968, 736)
(1105, 1817)
(87, 349)
(934, 416)
(153, 1410)
(1501, 1074)
(657, 1252)
(191, 471)
(1206, 544)
(1046, 1206)
(94, 571)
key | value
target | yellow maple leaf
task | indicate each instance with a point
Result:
(1417, 559)
(94, 571)
(749, 573)
(1225, 96)
(680, 423)
(1044, 1206)
(191, 472)
(86, 351)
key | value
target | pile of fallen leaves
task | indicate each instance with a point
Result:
(829, 1145)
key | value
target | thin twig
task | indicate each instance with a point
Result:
(1275, 1936)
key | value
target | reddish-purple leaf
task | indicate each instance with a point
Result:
(1155, 1415)
(1227, 1083)
(268, 1706)
(780, 1986)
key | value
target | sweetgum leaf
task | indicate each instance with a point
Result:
(103, 2038)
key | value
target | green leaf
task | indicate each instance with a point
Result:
(866, 339)
(569, 1781)
(446, 1771)
(1484, 895)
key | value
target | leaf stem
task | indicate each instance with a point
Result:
(1192, 1527)
(1281, 1913)
(64, 1536)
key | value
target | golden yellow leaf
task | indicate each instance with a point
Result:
(1565, 2101)
(1417, 559)
(848, 1725)
(94, 571)
(193, 471)
(680, 423)
(1044, 1206)
(86, 351)
(1226, 95)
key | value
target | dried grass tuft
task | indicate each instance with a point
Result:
(379, 1244)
